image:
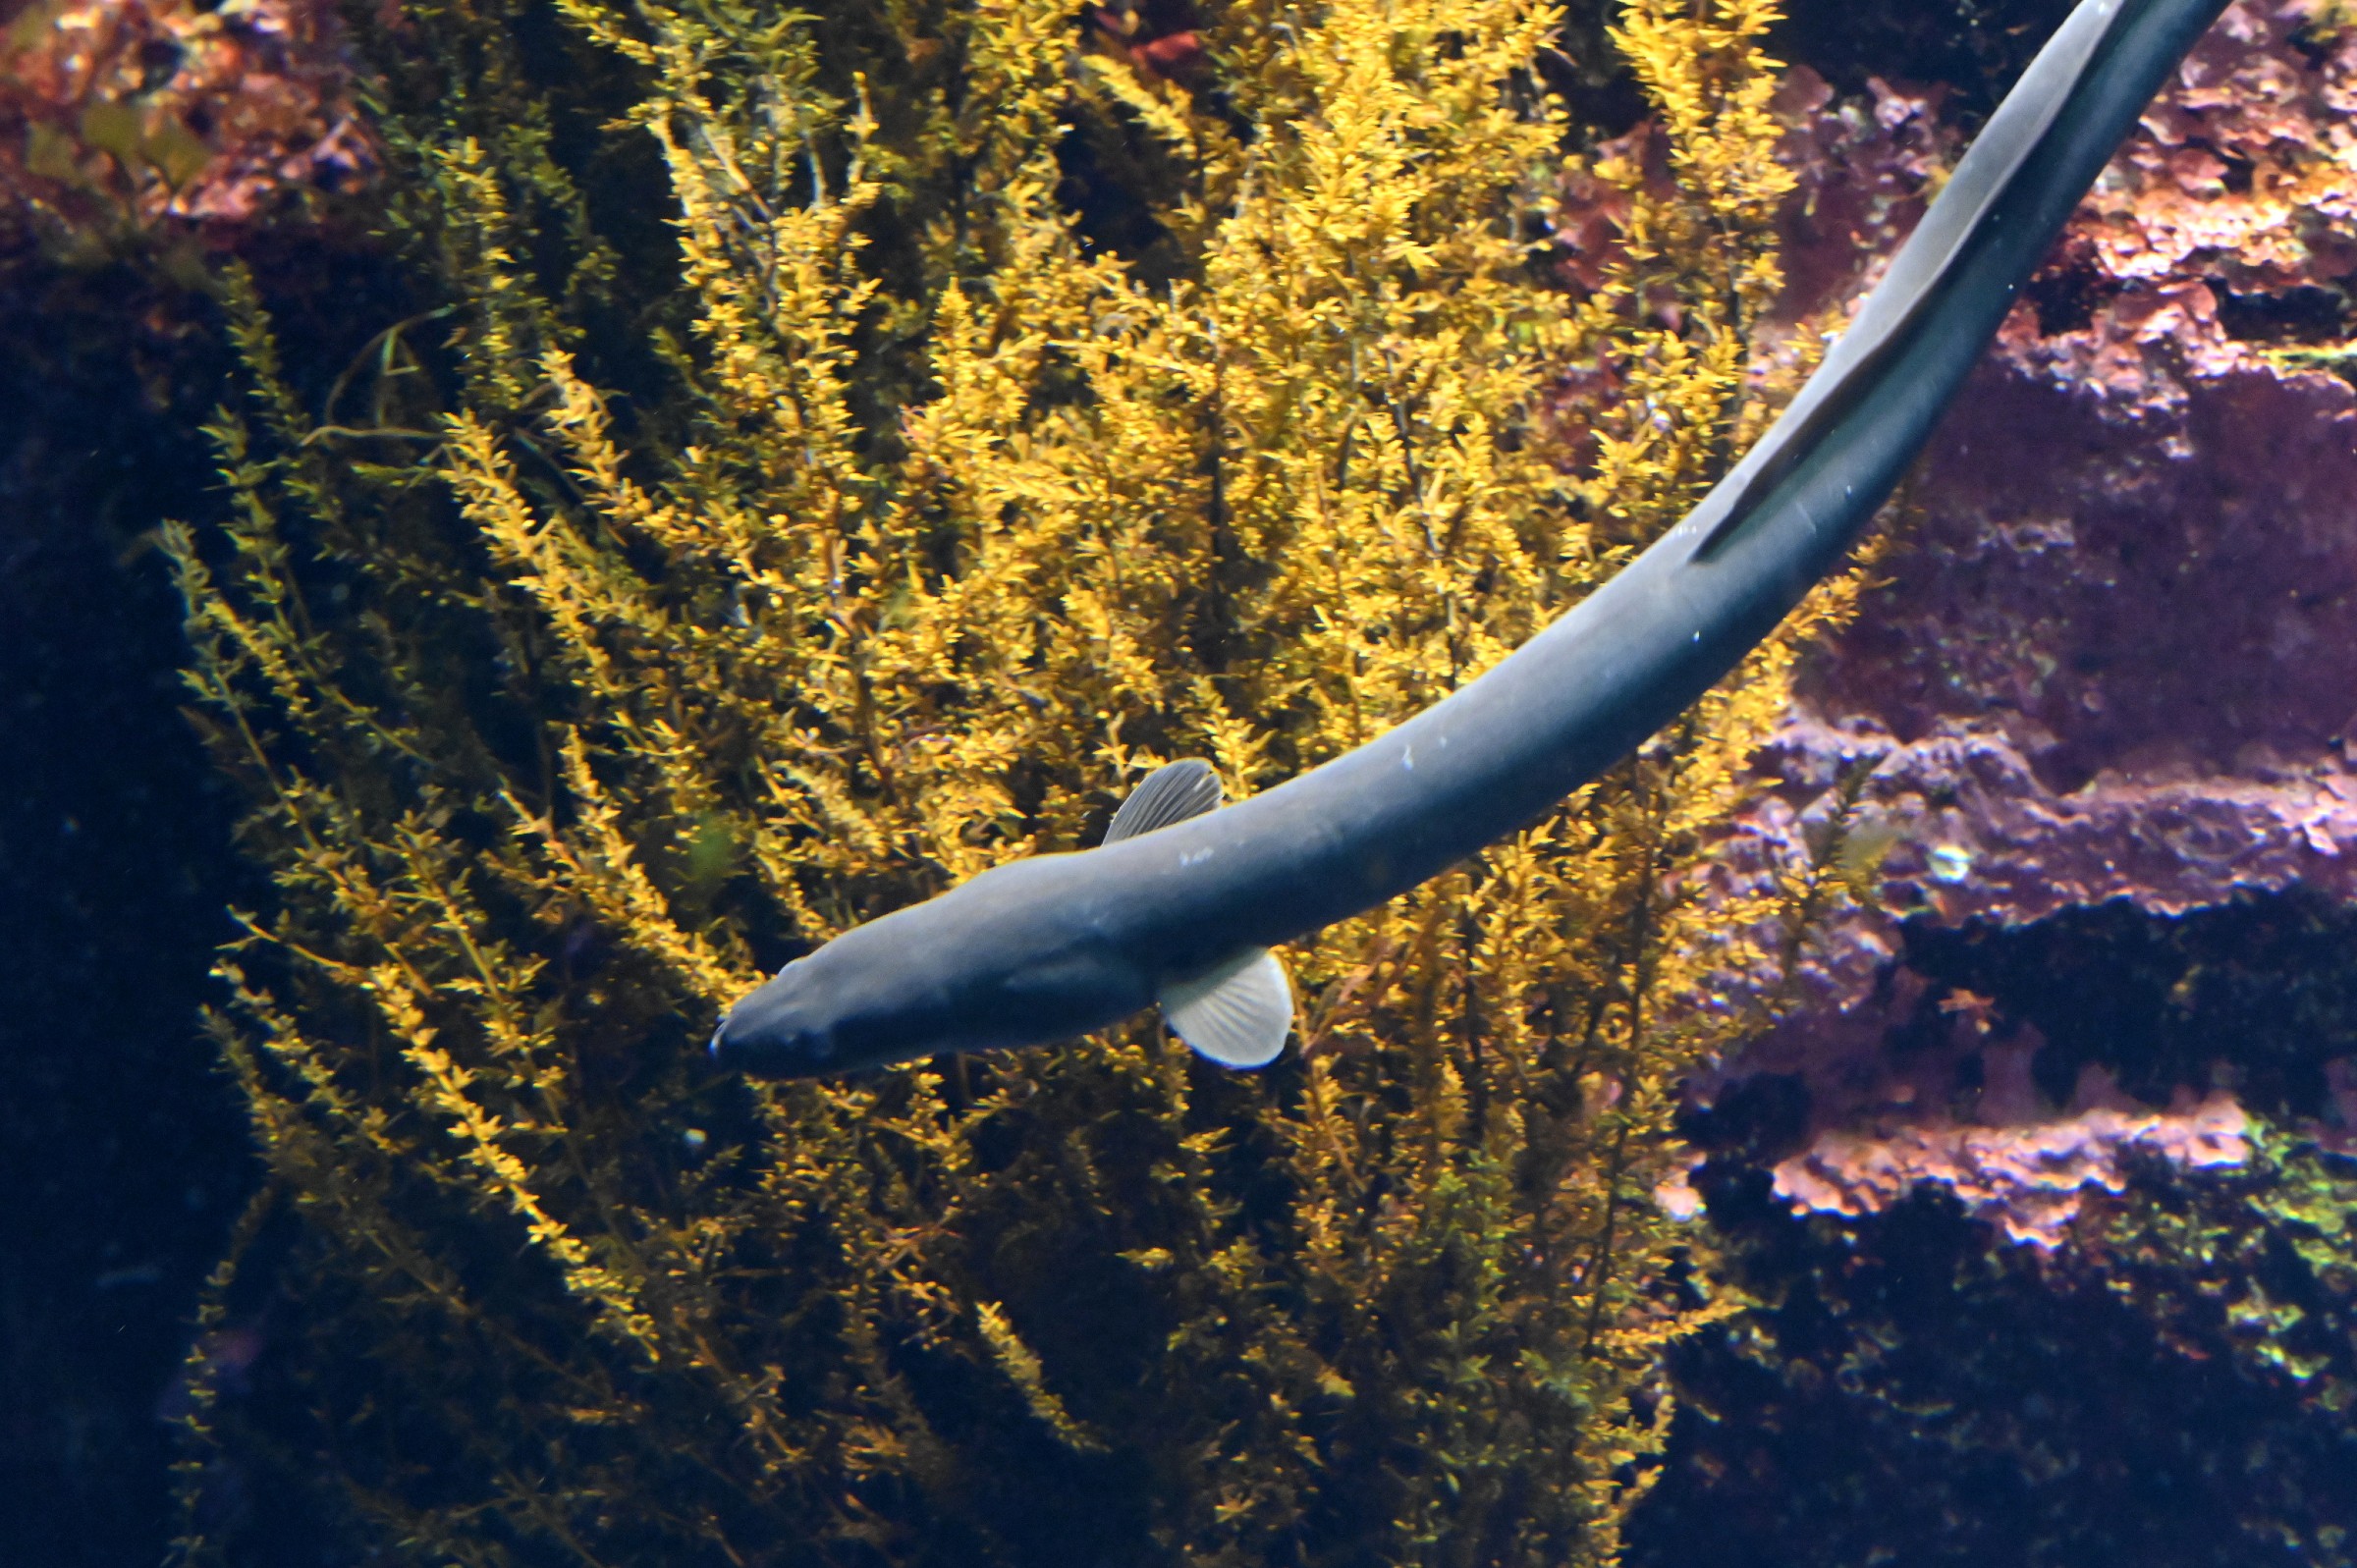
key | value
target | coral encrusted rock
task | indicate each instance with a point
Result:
(2112, 651)
(126, 121)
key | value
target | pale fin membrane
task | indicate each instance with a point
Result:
(1173, 792)
(1236, 1013)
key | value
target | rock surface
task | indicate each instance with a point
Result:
(2111, 653)
(125, 121)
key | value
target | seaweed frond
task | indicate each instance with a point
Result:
(691, 596)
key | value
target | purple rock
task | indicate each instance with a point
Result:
(2111, 653)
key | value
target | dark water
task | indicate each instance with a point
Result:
(122, 1155)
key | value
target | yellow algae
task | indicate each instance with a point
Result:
(933, 527)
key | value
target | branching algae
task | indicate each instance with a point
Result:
(577, 685)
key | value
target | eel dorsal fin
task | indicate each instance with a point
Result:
(1173, 792)
(1238, 1012)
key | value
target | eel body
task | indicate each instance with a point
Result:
(1180, 905)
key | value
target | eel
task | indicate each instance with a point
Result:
(1180, 904)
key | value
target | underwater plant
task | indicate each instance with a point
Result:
(999, 415)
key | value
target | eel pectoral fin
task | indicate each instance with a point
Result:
(1173, 792)
(1238, 1012)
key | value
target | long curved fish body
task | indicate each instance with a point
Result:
(1054, 947)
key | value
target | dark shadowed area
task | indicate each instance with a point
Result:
(122, 1155)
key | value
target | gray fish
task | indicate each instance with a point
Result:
(1180, 905)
